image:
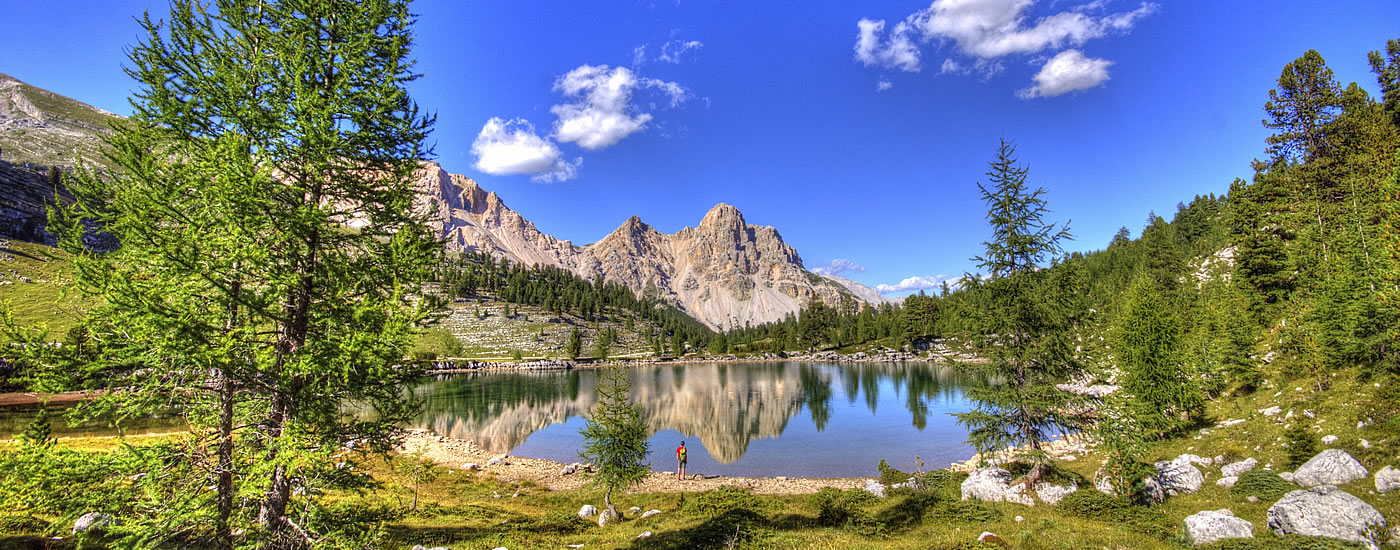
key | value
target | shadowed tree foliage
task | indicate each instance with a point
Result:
(238, 294)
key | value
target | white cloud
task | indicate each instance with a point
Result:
(1068, 71)
(639, 55)
(987, 30)
(839, 266)
(918, 282)
(671, 51)
(896, 52)
(883, 85)
(601, 114)
(995, 28)
(512, 147)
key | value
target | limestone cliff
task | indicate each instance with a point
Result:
(724, 272)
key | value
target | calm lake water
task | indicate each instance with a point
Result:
(737, 419)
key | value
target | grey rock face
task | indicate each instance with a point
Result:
(91, 521)
(1213, 525)
(1179, 478)
(1326, 511)
(1238, 468)
(587, 511)
(1387, 480)
(993, 484)
(1329, 467)
(1053, 494)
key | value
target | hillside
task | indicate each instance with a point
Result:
(41, 127)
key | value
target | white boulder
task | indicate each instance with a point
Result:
(1213, 525)
(1326, 511)
(1329, 467)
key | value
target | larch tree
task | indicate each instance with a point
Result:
(268, 257)
(615, 437)
(1025, 321)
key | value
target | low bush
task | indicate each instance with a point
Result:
(722, 500)
(1263, 484)
(846, 509)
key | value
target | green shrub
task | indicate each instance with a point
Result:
(966, 511)
(845, 509)
(1263, 484)
(1269, 541)
(722, 500)
(1302, 444)
(1092, 504)
(22, 524)
(889, 475)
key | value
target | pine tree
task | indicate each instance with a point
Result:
(258, 127)
(615, 437)
(1149, 335)
(1024, 323)
(1306, 99)
(677, 345)
(1387, 69)
(574, 346)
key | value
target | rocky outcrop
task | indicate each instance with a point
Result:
(724, 272)
(993, 484)
(1213, 525)
(1326, 511)
(1179, 476)
(41, 127)
(1329, 467)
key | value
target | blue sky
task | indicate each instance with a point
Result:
(858, 140)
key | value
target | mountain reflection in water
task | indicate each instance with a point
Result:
(727, 406)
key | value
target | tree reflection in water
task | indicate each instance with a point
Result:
(726, 406)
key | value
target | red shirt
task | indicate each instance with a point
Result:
(680, 452)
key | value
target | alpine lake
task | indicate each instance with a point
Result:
(736, 418)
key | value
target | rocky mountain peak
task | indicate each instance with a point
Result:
(722, 216)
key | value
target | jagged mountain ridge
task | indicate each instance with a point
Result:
(724, 271)
(42, 127)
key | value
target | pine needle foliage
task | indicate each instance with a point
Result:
(239, 294)
(1166, 398)
(615, 437)
(1024, 327)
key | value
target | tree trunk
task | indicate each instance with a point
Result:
(222, 533)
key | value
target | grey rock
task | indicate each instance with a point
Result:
(993, 484)
(1287, 476)
(1329, 439)
(1227, 481)
(634, 510)
(1192, 459)
(1271, 411)
(1237, 469)
(644, 534)
(1179, 478)
(587, 511)
(1326, 511)
(650, 513)
(568, 470)
(1231, 422)
(1387, 480)
(1251, 499)
(471, 467)
(91, 521)
(1213, 525)
(606, 517)
(1053, 494)
(1329, 467)
(498, 461)
(874, 487)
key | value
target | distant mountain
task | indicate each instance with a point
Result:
(724, 271)
(40, 127)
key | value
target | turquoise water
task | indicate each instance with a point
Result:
(737, 419)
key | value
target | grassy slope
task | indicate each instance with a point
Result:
(50, 298)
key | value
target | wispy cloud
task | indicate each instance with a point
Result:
(986, 30)
(883, 85)
(839, 266)
(918, 282)
(601, 113)
(672, 51)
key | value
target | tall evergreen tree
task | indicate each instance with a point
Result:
(1023, 327)
(258, 128)
(1149, 342)
(1306, 99)
(1387, 69)
(615, 437)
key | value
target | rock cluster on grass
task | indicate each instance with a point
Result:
(1326, 511)
(1329, 467)
(1213, 525)
(1235, 469)
(993, 484)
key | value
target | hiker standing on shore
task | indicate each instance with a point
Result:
(680, 461)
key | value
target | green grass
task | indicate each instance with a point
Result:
(50, 298)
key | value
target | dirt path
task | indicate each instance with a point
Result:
(31, 398)
(456, 453)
